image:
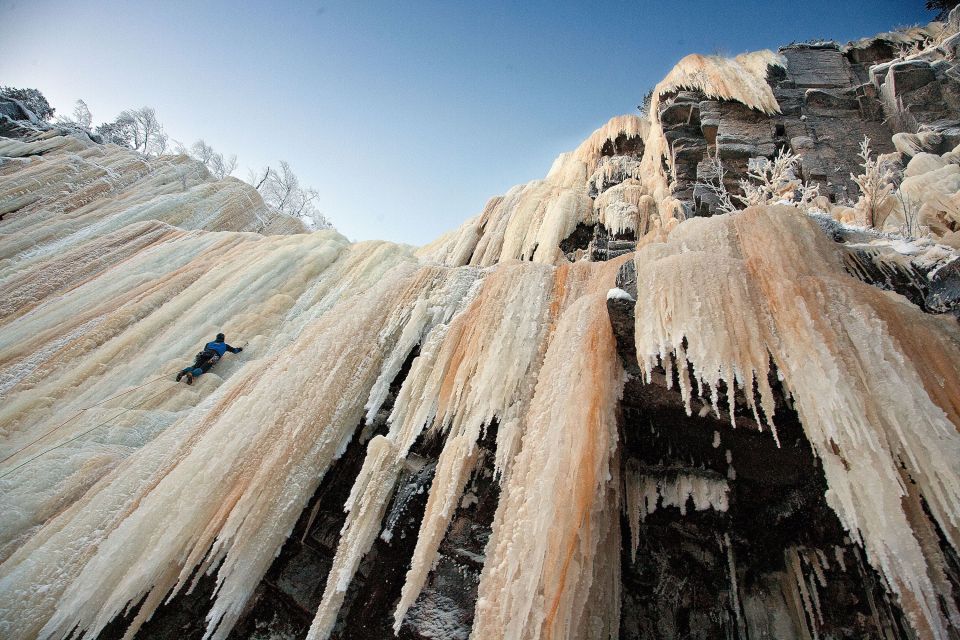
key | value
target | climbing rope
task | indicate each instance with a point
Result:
(77, 414)
(76, 437)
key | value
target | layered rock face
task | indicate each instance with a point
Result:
(597, 410)
(828, 97)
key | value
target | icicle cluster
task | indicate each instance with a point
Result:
(481, 368)
(531, 220)
(553, 560)
(742, 79)
(644, 493)
(626, 207)
(874, 380)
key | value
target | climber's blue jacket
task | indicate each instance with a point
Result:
(221, 348)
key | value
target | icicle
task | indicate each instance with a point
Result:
(633, 503)
(366, 506)
(643, 493)
(795, 570)
(838, 556)
(456, 462)
(552, 513)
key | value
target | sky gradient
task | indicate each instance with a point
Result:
(406, 117)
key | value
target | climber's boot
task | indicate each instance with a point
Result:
(189, 377)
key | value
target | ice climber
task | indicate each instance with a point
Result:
(212, 352)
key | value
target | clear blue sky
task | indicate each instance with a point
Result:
(405, 116)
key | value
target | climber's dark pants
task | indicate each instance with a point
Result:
(199, 367)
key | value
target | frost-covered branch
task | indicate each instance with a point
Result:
(875, 184)
(714, 185)
(771, 181)
(767, 182)
(910, 209)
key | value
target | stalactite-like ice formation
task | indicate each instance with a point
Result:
(551, 566)
(644, 493)
(742, 79)
(874, 380)
(481, 368)
(626, 207)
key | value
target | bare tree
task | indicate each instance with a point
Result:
(281, 189)
(256, 179)
(219, 167)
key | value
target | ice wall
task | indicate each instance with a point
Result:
(115, 269)
(123, 501)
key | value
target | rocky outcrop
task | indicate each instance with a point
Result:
(829, 97)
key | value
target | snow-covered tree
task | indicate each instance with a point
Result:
(216, 164)
(281, 189)
(80, 117)
(942, 7)
(32, 99)
(876, 183)
(767, 182)
(138, 129)
(713, 183)
(771, 181)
